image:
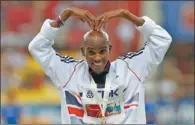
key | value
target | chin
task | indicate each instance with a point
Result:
(98, 71)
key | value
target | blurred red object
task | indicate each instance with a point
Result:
(49, 10)
(16, 16)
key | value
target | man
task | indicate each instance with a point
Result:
(96, 90)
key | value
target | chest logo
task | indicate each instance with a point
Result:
(89, 94)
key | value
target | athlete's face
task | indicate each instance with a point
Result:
(96, 51)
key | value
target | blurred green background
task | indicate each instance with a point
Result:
(27, 94)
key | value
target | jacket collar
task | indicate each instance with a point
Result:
(111, 75)
(106, 70)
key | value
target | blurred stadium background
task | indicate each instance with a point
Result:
(28, 96)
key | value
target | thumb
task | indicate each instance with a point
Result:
(82, 19)
(104, 26)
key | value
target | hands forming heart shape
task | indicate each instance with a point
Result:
(95, 23)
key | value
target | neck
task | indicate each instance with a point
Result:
(106, 70)
(100, 78)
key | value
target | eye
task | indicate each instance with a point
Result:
(91, 52)
(103, 51)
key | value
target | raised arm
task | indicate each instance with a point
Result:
(83, 15)
(57, 67)
(157, 41)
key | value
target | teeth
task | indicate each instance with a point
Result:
(97, 63)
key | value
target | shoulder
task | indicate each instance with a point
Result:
(80, 65)
(66, 59)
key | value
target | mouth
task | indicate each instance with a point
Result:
(97, 64)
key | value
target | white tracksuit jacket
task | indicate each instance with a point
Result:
(122, 99)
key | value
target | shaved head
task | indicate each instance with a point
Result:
(96, 49)
(95, 36)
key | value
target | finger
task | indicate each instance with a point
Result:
(88, 21)
(98, 21)
(88, 16)
(100, 17)
(104, 26)
(93, 25)
(91, 18)
(102, 22)
(82, 19)
(96, 24)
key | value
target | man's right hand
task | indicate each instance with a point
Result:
(101, 20)
(84, 15)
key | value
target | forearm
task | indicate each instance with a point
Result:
(64, 16)
(136, 20)
(41, 46)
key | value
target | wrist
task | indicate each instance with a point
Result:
(141, 22)
(68, 11)
(65, 15)
(54, 24)
(62, 18)
(57, 23)
(136, 20)
(125, 13)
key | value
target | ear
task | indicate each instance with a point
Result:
(82, 51)
(110, 47)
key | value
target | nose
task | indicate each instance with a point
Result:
(97, 57)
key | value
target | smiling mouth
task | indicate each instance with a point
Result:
(97, 64)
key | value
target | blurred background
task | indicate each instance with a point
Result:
(27, 94)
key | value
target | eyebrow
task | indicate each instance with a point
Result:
(105, 47)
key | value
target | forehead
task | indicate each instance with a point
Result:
(96, 44)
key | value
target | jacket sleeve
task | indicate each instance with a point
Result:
(57, 67)
(157, 41)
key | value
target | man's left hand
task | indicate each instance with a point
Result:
(102, 19)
